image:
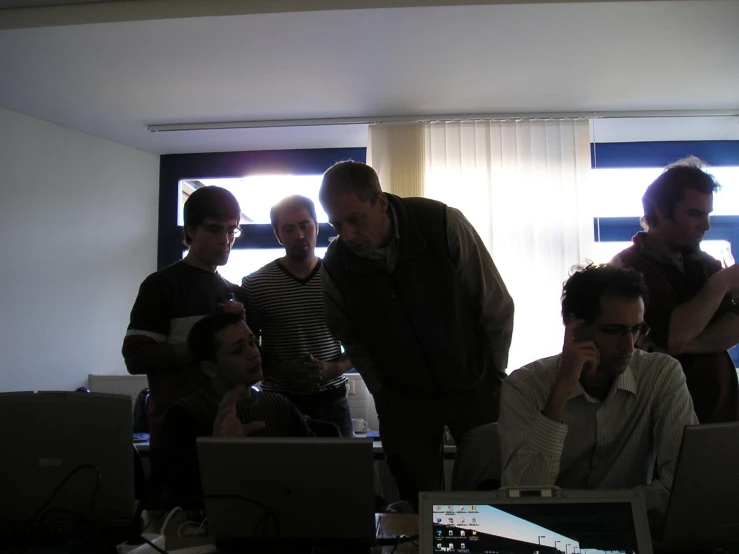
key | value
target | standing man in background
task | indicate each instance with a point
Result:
(414, 296)
(172, 299)
(284, 308)
(690, 309)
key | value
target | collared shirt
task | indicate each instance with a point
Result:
(477, 273)
(608, 444)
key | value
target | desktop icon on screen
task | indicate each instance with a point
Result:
(461, 533)
(451, 546)
(451, 533)
(451, 520)
(474, 520)
(439, 546)
(474, 533)
(438, 520)
(474, 508)
(461, 546)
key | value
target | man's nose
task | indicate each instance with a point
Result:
(627, 341)
(348, 233)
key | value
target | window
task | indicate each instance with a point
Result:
(258, 180)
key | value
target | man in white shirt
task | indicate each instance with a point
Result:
(600, 415)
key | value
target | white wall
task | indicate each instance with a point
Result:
(654, 129)
(78, 232)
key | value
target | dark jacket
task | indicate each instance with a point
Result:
(417, 323)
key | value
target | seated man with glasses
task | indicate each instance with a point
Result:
(172, 299)
(599, 415)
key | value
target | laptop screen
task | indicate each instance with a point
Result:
(544, 527)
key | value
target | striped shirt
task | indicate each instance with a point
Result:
(289, 317)
(609, 444)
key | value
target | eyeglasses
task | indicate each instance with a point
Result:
(219, 230)
(620, 330)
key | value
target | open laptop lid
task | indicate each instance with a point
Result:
(704, 510)
(51, 436)
(528, 521)
(288, 488)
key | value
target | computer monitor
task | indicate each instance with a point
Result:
(704, 511)
(48, 437)
(534, 522)
(319, 490)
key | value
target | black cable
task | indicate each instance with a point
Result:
(403, 539)
(64, 482)
(267, 513)
(263, 521)
(154, 546)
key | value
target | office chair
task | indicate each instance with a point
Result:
(477, 463)
(141, 412)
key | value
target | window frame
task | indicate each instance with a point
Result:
(174, 168)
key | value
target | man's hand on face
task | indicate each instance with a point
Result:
(577, 356)
(233, 307)
(227, 423)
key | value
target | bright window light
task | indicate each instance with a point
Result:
(258, 193)
(618, 192)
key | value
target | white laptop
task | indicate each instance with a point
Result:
(704, 503)
(317, 490)
(48, 437)
(533, 521)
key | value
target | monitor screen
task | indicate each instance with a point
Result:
(543, 528)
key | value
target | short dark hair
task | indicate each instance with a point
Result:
(582, 292)
(202, 343)
(291, 203)
(669, 188)
(213, 202)
(350, 176)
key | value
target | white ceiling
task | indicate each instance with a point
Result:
(112, 79)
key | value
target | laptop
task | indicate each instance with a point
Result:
(704, 502)
(288, 490)
(533, 521)
(48, 437)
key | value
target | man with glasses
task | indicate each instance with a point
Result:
(600, 414)
(690, 309)
(172, 299)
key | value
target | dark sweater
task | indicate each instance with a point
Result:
(175, 472)
(422, 331)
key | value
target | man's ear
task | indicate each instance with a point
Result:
(662, 212)
(189, 231)
(382, 199)
(569, 318)
(208, 367)
(277, 237)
